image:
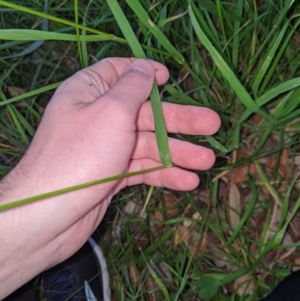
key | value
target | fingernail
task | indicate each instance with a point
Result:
(143, 66)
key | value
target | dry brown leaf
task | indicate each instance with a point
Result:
(296, 265)
(141, 239)
(167, 274)
(131, 207)
(191, 239)
(177, 238)
(234, 205)
(213, 249)
(287, 239)
(244, 285)
(181, 235)
(219, 259)
(154, 294)
(187, 223)
(297, 160)
(170, 204)
(135, 275)
(16, 91)
(295, 226)
(239, 174)
(197, 216)
(116, 284)
(158, 216)
(255, 119)
(284, 164)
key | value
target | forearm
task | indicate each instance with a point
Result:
(36, 236)
(20, 257)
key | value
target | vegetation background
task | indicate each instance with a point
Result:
(238, 234)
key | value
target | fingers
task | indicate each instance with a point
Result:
(182, 119)
(173, 178)
(184, 154)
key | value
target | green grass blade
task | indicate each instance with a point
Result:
(217, 145)
(35, 45)
(280, 234)
(23, 121)
(159, 121)
(272, 93)
(286, 202)
(11, 45)
(235, 42)
(84, 49)
(29, 94)
(20, 8)
(35, 35)
(78, 34)
(286, 104)
(76, 187)
(160, 128)
(241, 92)
(126, 29)
(277, 58)
(265, 180)
(25, 35)
(154, 29)
(209, 6)
(268, 60)
(208, 28)
(14, 116)
(158, 281)
(221, 20)
(264, 137)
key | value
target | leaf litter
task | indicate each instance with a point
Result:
(192, 230)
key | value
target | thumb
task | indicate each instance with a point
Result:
(133, 87)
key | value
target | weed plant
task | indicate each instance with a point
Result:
(237, 235)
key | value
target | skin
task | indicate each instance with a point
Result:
(98, 124)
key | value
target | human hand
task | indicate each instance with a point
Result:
(96, 125)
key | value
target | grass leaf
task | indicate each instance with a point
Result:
(24, 9)
(241, 92)
(153, 28)
(159, 121)
(76, 187)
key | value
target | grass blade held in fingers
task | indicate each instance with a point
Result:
(159, 122)
(76, 187)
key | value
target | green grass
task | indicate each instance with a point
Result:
(239, 58)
